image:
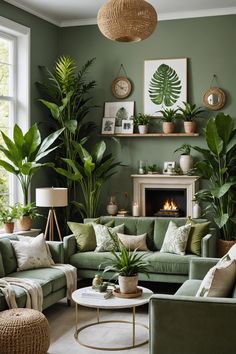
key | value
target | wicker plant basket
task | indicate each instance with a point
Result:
(23, 331)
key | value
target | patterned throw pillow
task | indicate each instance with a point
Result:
(176, 238)
(32, 253)
(103, 238)
(219, 280)
(134, 242)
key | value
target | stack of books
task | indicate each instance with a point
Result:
(90, 292)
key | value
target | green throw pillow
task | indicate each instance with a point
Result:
(84, 235)
(197, 232)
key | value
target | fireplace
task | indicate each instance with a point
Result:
(152, 191)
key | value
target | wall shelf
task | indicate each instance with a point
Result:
(149, 135)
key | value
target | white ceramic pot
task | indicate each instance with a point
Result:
(168, 127)
(112, 209)
(196, 211)
(128, 285)
(143, 129)
(190, 127)
(186, 163)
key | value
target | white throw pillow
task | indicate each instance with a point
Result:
(103, 238)
(134, 242)
(176, 238)
(219, 280)
(32, 252)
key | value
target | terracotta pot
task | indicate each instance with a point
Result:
(143, 129)
(186, 163)
(9, 228)
(128, 285)
(190, 127)
(223, 247)
(168, 127)
(25, 223)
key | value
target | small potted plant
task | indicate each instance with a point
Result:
(153, 169)
(126, 265)
(26, 214)
(8, 215)
(142, 122)
(186, 160)
(169, 115)
(188, 114)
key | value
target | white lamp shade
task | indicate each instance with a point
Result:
(51, 197)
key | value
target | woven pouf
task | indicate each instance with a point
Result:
(23, 331)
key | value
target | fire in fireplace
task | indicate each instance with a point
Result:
(169, 208)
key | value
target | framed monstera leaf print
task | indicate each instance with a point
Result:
(165, 84)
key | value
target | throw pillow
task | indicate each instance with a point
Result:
(32, 253)
(176, 238)
(197, 232)
(133, 242)
(219, 280)
(103, 238)
(84, 235)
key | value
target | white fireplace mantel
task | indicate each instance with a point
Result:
(142, 182)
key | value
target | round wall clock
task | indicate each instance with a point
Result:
(121, 87)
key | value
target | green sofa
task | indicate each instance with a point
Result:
(53, 281)
(185, 324)
(163, 267)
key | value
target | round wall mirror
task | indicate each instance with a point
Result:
(214, 98)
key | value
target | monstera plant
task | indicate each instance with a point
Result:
(165, 86)
(218, 168)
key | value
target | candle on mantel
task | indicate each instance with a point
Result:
(135, 209)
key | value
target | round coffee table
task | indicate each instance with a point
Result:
(112, 303)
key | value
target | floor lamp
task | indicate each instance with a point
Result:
(51, 198)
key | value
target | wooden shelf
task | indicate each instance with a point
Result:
(149, 135)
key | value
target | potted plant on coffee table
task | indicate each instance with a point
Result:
(188, 114)
(126, 264)
(168, 118)
(186, 160)
(8, 215)
(142, 122)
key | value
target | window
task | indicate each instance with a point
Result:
(14, 94)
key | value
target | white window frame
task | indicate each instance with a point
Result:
(21, 36)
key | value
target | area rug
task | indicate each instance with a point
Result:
(62, 325)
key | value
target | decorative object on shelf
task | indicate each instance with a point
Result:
(186, 160)
(188, 114)
(169, 168)
(165, 84)
(127, 20)
(142, 122)
(153, 169)
(135, 209)
(127, 126)
(26, 214)
(196, 210)
(8, 215)
(168, 118)
(112, 207)
(120, 111)
(214, 98)
(108, 125)
(121, 85)
(51, 198)
(122, 212)
(142, 167)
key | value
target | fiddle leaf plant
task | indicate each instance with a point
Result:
(218, 167)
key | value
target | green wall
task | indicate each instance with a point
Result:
(208, 45)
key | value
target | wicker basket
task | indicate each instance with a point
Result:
(23, 331)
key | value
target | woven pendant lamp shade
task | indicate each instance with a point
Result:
(127, 20)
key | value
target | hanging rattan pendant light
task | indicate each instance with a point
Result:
(127, 20)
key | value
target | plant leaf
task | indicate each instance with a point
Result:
(214, 141)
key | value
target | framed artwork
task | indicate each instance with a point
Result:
(108, 125)
(169, 167)
(165, 84)
(127, 126)
(120, 111)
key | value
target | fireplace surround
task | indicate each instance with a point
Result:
(150, 188)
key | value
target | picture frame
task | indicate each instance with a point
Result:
(168, 167)
(127, 126)
(108, 125)
(156, 98)
(120, 111)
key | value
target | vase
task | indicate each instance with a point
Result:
(128, 285)
(143, 129)
(9, 227)
(190, 127)
(186, 163)
(168, 127)
(25, 223)
(196, 211)
(112, 207)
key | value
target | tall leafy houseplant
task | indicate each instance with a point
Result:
(91, 172)
(65, 93)
(24, 153)
(218, 167)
